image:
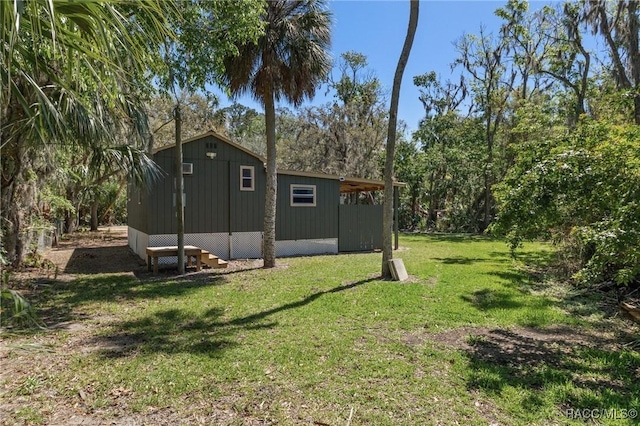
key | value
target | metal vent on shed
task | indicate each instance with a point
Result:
(187, 168)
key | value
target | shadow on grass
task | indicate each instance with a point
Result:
(461, 260)
(561, 368)
(170, 331)
(58, 302)
(181, 331)
(298, 304)
(536, 259)
(451, 238)
(488, 299)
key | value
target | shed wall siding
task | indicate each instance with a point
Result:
(161, 211)
(246, 207)
(307, 223)
(360, 227)
(137, 212)
(214, 203)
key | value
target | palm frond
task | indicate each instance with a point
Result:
(106, 161)
(16, 311)
(291, 59)
(57, 52)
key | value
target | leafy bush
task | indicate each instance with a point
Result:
(582, 189)
(15, 310)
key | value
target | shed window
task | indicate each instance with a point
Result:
(303, 195)
(247, 178)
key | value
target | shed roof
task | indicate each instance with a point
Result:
(347, 184)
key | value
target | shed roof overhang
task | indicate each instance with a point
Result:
(347, 185)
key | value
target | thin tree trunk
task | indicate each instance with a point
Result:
(431, 215)
(488, 168)
(269, 242)
(634, 54)
(94, 215)
(11, 226)
(179, 190)
(387, 219)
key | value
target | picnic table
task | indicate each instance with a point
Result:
(154, 253)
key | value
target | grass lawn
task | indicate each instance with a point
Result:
(474, 337)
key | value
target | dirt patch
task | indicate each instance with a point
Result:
(104, 251)
(510, 340)
(107, 252)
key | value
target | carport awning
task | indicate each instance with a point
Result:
(349, 185)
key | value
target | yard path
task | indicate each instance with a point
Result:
(104, 251)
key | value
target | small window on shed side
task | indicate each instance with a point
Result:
(247, 178)
(303, 195)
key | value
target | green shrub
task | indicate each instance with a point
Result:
(583, 189)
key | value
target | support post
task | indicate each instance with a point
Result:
(179, 190)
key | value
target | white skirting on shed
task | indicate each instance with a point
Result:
(138, 242)
(245, 245)
(238, 245)
(217, 244)
(306, 247)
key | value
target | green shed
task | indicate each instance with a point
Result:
(224, 191)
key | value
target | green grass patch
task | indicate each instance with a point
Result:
(471, 338)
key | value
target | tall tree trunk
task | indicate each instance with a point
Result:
(11, 225)
(269, 241)
(634, 54)
(179, 189)
(387, 219)
(12, 159)
(94, 215)
(488, 170)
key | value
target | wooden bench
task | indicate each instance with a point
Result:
(154, 253)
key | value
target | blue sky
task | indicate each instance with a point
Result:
(378, 28)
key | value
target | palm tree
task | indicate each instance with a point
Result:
(289, 61)
(72, 78)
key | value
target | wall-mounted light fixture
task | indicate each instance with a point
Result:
(211, 155)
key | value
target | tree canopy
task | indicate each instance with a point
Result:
(73, 75)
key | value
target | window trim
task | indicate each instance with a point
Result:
(253, 178)
(299, 185)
